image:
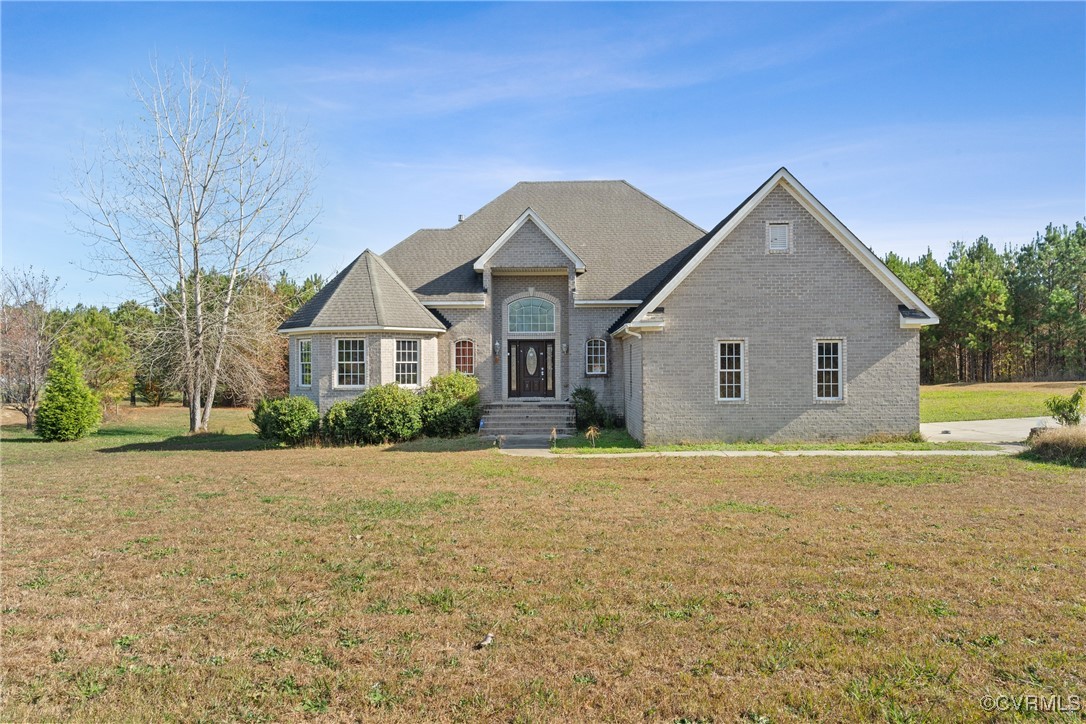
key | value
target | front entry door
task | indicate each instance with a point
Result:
(531, 368)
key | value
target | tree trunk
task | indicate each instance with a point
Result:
(194, 413)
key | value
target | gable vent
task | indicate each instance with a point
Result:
(778, 237)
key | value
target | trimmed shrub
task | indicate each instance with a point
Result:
(450, 405)
(289, 420)
(590, 413)
(1066, 445)
(69, 408)
(385, 414)
(1067, 410)
(338, 428)
(263, 420)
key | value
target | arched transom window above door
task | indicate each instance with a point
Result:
(531, 314)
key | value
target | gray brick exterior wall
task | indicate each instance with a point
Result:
(528, 248)
(380, 364)
(473, 324)
(779, 304)
(592, 323)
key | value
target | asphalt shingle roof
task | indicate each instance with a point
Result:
(627, 240)
(365, 294)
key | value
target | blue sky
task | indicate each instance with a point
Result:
(917, 124)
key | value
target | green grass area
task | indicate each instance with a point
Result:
(952, 403)
(164, 429)
(619, 441)
(148, 429)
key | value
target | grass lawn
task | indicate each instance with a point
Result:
(619, 441)
(989, 401)
(149, 576)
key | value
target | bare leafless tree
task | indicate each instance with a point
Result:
(28, 333)
(203, 187)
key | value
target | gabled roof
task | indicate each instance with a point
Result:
(366, 295)
(524, 218)
(784, 178)
(626, 241)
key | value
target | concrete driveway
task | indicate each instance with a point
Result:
(998, 432)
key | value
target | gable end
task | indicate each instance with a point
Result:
(529, 215)
(839, 231)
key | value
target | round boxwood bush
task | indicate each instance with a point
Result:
(290, 420)
(69, 408)
(338, 427)
(385, 414)
(450, 405)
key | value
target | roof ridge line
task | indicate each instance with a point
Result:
(578, 181)
(402, 284)
(375, 289)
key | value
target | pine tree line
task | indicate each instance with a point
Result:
(1019, 314)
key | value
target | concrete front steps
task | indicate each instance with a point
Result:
(528, 418)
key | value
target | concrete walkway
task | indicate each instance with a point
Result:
(996, 432)
(544, 452)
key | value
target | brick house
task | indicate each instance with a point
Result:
(776, 324)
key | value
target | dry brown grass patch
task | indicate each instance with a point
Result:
(282, 584)
(1060, 444)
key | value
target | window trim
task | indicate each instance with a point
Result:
(744, 373)
(396, 363)
(842, 388)
(308, 341)
(587, 365)
(790, 243)
(455, 367)
(365, 363)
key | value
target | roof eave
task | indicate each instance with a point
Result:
(363, 328)
(914, 323)
(635, 330)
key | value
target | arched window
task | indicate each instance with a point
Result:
(531, 314)
(595, 357)
(464, 356)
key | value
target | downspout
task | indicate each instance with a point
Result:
(638, 335)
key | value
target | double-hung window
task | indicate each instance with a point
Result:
(305, 362)
(350, 363)
(407, 361)
(595, 357)
(829, 363)
(730, 368)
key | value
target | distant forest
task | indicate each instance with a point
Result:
(1019, 314)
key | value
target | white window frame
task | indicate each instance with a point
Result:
(417, 362)
(588, 359)
(308, 341)
(744, 375)
(365, 363)
(841, 357)
(537, 301)
(789, 244)
(455, 358)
